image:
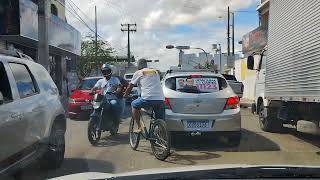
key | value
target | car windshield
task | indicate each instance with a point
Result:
(184, 85)
(88, 84)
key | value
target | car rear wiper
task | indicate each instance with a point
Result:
(189, 90)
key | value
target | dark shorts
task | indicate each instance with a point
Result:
(156, 105)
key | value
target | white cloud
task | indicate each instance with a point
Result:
(156, 20)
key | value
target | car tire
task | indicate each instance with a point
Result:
(54, 155)
(269, 123)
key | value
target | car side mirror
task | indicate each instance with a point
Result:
(1, 98)
(72, 90)
(250, 62)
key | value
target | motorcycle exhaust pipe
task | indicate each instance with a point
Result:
(195, 133)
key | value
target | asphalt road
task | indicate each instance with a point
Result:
(114, 155)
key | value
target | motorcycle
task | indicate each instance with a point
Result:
(105, 116)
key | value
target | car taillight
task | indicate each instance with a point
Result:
(167, 103)
(232, 103)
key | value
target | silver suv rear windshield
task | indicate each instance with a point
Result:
(196, 84)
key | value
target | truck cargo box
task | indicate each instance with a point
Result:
(293, 64)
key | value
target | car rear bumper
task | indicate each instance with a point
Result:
(228, 120)
(75, 112)
(81, 115)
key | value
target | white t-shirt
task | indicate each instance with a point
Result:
(107, 85)
(148, 81)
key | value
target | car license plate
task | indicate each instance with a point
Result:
(88, 107)
(197, 124)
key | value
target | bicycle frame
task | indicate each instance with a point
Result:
(147, 133)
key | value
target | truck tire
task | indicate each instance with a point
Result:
(269, 123)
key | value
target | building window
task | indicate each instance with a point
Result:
(54, 10)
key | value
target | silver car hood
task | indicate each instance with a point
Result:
(98, 175)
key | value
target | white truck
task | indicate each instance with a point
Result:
(288, 70)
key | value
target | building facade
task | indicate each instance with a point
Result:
(19, 31)
(253, 42)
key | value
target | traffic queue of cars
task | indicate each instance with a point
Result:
(33, 120)
(197, 102)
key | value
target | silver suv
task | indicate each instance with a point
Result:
(200, 102)
(32, 119)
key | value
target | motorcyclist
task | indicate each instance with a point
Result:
(109, 84)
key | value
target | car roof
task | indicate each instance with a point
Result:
(128, 74)
(9, 58)
(188, 73)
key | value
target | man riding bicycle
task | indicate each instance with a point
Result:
(148, 80)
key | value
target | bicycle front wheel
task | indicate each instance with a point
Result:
(134, 137)
(160, 140)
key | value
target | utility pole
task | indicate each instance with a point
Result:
(232, 33)
(128, 29)
(220, 61)
(43, 45)
(228, 33)
(96, 33)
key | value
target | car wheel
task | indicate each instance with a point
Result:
(54, 156)
(269, 123)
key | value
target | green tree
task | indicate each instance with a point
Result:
(88, 60)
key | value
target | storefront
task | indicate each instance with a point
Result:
(19, 31)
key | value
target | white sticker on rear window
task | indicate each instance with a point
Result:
(200, 84)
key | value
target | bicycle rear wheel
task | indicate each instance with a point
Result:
(160, 140)
(134, 137)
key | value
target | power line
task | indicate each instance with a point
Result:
(73, 12)
(81, 11)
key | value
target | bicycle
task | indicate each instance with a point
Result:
(158, 135)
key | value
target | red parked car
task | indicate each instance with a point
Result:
(79, 104)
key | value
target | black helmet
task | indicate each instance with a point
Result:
(106, 70)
